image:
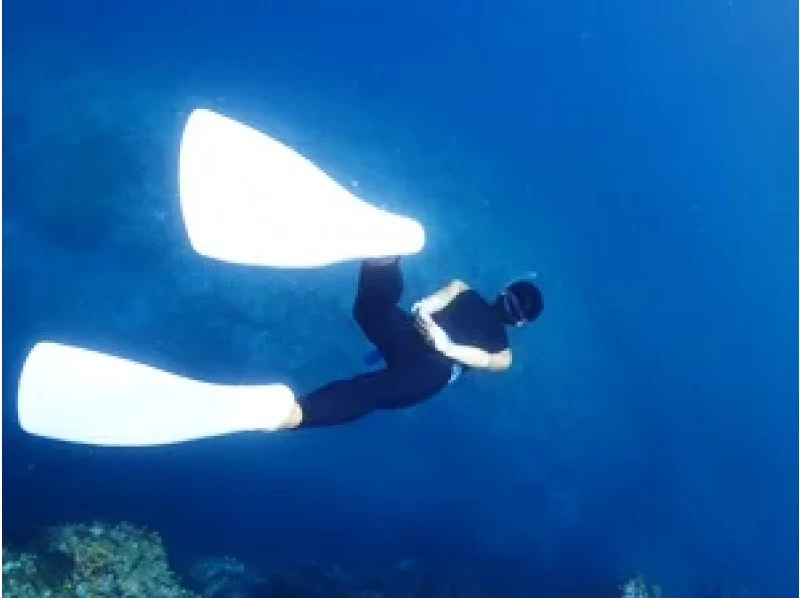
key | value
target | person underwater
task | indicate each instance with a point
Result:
(445, 334)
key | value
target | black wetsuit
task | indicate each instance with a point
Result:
(414, 371)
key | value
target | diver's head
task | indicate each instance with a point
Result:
(520, 301)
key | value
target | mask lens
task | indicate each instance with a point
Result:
(513, 308)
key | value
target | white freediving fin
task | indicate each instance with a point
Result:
(77, 395)
(248, 199)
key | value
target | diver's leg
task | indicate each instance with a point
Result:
(387, 326)
(344, 401)
(380, 283)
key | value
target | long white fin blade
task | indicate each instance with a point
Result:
(77, 395)
(249, 199)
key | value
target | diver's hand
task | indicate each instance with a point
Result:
(434, 335)
(422, 306)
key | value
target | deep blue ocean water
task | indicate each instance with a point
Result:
(640, 156)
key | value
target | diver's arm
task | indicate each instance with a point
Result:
(441, 298)
(477, 358)
(469, 356)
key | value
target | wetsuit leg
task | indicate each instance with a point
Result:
(414, 371)
(343, 401)
(382, 321)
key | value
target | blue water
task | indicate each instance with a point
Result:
(640, 156)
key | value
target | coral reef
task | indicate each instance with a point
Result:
(97, 560)
(225, 578)
(228, 578)
(21, 577)
(637, 588)
(122, 561)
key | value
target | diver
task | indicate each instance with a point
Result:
(445, 334)
(78, 394)
(75, 394)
